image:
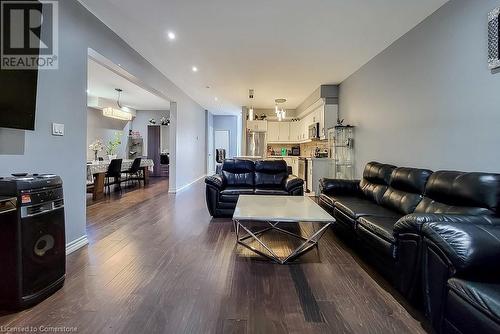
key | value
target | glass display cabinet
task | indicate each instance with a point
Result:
(341, 150)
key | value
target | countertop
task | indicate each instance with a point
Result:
(296, 156)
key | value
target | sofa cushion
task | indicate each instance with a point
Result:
(268, 191)
(485, 297)
(412, 180)
(231, 194)
(355, 207)
(381, 226)
(376, 177)
(238, 173)
(405, 189)
(332, 199)
(461, 193)
(270, 173)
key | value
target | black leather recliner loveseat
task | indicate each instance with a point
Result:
(244, 177)
(435, 235)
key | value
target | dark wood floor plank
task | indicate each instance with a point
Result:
(158, 263)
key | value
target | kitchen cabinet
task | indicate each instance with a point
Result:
(273, 132)
(295, 131)
(309, 182)
(284, 134)
(328, 119)
(298, 131)
(306, 121)
(295, 165)
(319, 112)
(278, 132)
(326, 116)
(318, 168)
(259, 126)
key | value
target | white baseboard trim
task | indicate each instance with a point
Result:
(176, 190)
(76, 244)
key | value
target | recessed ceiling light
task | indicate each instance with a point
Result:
(216, 98)
(194, 68)
(171, 35)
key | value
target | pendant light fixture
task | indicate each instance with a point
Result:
(251, 114)
(280, 109)
(117, 113)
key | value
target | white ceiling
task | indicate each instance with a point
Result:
(101, 82)
(280, 48)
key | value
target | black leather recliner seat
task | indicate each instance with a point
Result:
(449, 196)
(244, 177)
(369, 209)
(388, 210)
(461, 275)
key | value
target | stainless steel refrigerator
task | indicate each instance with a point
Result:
(256, 144)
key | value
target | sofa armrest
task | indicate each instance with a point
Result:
(215, 180)
(414, 222)
(339, 187)
(471, 248)
(293, 182)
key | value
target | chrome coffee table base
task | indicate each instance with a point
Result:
(243, 233)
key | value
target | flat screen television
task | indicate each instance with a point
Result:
(17, 88)
(18, 98)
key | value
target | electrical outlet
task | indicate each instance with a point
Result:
(57, 129)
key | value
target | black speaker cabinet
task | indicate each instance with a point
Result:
(32, 255)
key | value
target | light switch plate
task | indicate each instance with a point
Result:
(57, 129)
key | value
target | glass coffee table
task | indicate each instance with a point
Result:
(271, 211)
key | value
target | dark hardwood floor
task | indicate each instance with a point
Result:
(158, 263)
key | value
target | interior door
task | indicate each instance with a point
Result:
(210, 148)
(221, 140)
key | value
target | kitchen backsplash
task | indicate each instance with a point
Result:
(306, 149)
(275, 149)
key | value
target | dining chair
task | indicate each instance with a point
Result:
(134, 171)
(220, 155)
(114, 171)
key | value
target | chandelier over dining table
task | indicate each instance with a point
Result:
(280, 109)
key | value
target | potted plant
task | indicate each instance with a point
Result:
(113, 146)
(96, 146)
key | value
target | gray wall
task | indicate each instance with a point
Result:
(141, 122)
(100, 127)
(105, 128)
(230, 123)
(429, 99)
(62, 98)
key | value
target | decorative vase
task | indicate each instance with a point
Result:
(95, 156)
(111, 156)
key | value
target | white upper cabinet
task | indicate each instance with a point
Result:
(328, 119)
(260, 126)
(324, 114)
(297, 132)
(273, 132)
(278, 132)
(284, 135)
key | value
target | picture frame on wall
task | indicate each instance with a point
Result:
(494, 39)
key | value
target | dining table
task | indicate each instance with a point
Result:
(96, 171)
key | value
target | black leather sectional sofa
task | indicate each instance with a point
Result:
(435, 235)
(245, 177)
